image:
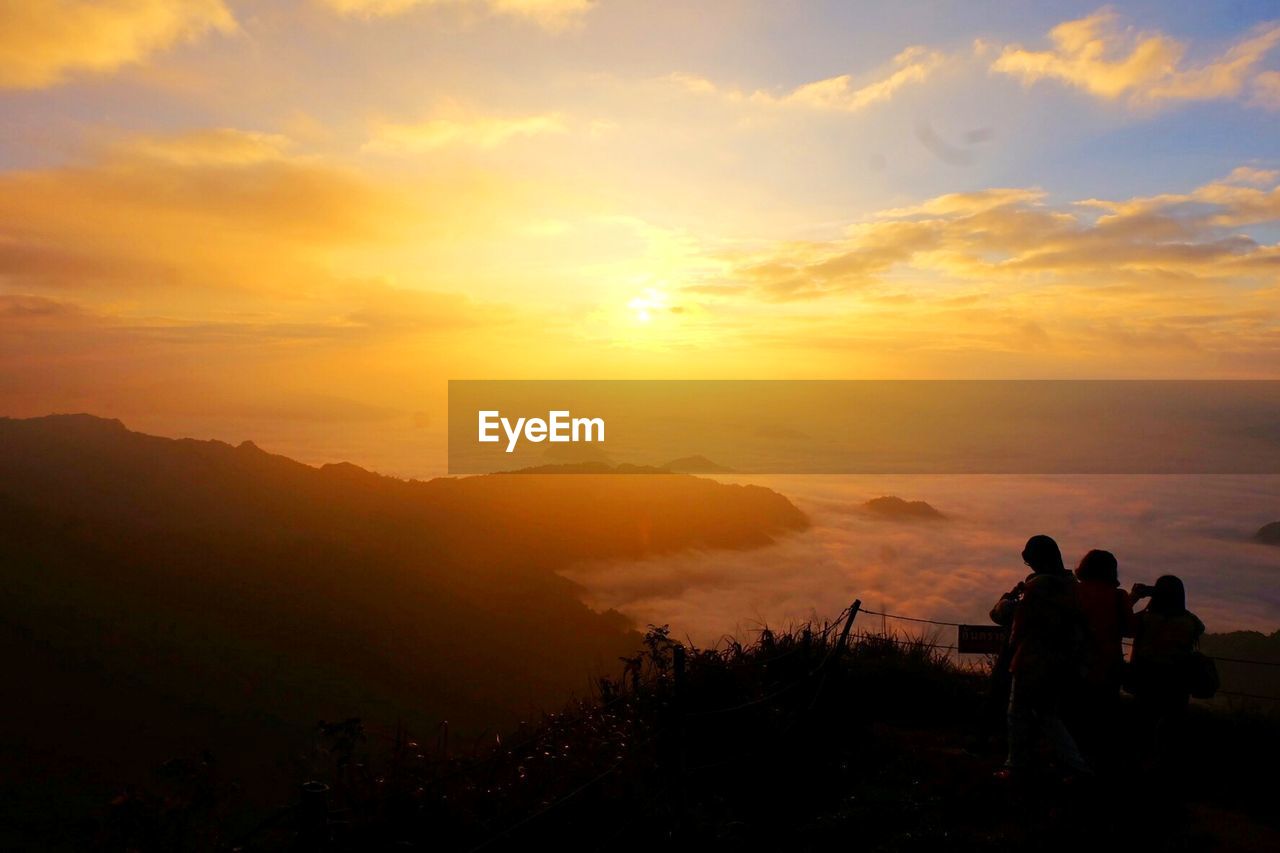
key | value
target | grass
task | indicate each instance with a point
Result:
(791, 741)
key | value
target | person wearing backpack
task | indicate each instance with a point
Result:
(1165, 663)
(1045, 641)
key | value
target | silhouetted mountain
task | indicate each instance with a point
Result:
(1253, 678)
(696, 465)
(902, 510)
(1251, 645)
(574, 452)
(1269, 534)
(163, 596)
(590, 466)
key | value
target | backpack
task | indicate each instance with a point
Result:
(1202, 676)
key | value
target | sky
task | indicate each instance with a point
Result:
(295, 220)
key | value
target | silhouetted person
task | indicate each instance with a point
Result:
(1108, 616)
(1046, 629)
(1165, 635)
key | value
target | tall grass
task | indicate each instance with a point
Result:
(790, 740)
(664, 751)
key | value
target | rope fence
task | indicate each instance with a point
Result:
(912, 618)
(1126, 642)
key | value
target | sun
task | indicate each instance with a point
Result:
(650, 302)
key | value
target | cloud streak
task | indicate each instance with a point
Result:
(480, 132)
(548, 14)
(1010, 234)
(45, 43)
(842, 93)
(221, 208)
(1098, 56)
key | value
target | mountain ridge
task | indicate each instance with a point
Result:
(171, 595)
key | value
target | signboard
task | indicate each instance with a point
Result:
(982, 639)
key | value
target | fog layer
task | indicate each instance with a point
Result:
(1197, 527)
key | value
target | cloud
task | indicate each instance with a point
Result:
(43, 43)
(222, 146)
(1013, 235)
(1095, 54)
(20, 307)
(835, 94)
(219, 208)
(483, 132)
(1253, 176)
(386, 309)
(549, 14)
(1195, 527)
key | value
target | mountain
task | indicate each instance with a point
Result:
(1235, 647)
(902, 510)
(696, 465)
(1269, 534)
(166, 596)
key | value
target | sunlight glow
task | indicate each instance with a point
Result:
(652, 301)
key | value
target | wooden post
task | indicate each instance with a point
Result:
(848, 623)
(835, 651)
(844, 637)
(313, 818)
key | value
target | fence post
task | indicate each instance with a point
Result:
(848, 623)
(834, 652)
(313, 818)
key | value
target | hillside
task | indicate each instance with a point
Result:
(165, 597)
(794, 742)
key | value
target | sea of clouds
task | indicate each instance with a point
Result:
(1196, 526)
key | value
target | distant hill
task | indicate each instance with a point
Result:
(1269, 534)
(165, 596)
(594, 466)
(1251, 645)
(902, 510)
(696, 465)
(683, 465)
(1259, 679)
(574, 452)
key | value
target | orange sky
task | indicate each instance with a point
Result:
(222, 218)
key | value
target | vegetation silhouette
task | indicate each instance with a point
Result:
(792, 741)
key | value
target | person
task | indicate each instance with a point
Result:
(1165, 635)
(1046, 632)
(1108, 616)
